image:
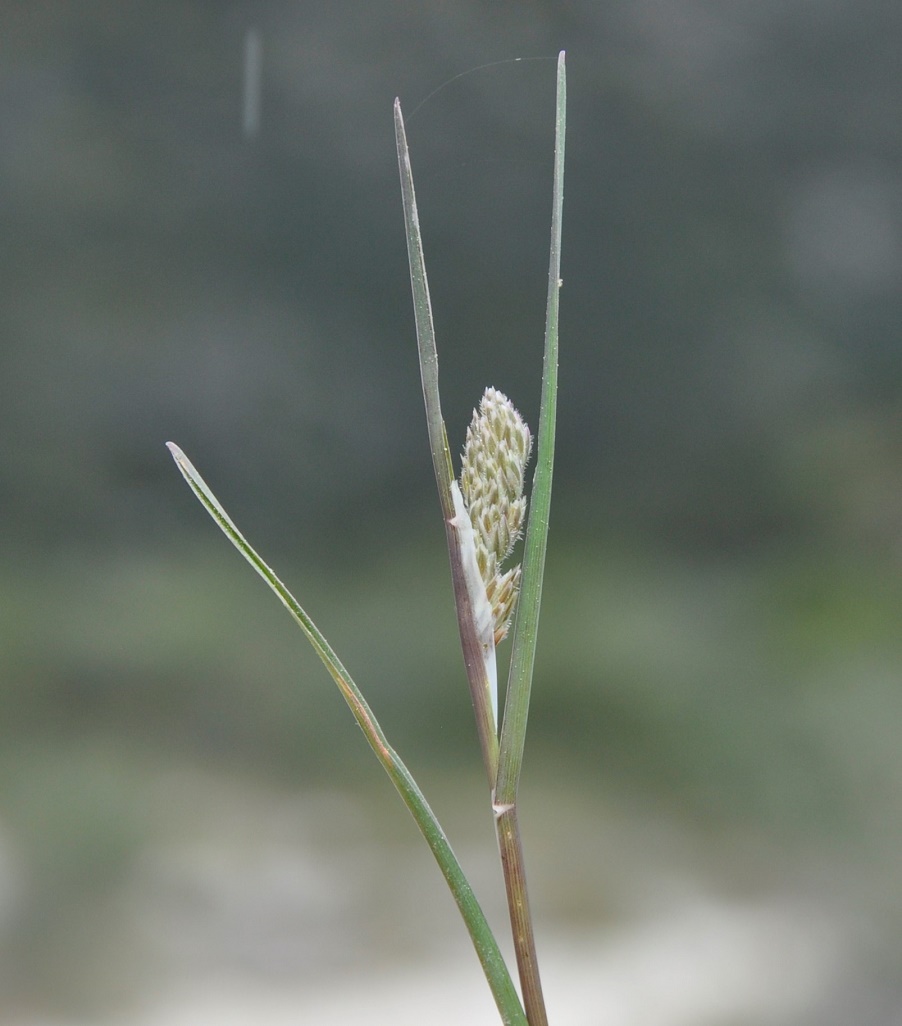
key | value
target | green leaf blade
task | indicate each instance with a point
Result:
(483, 939)
(516, 707)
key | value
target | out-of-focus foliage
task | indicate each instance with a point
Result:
(732, 265)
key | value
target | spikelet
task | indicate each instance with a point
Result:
(491, 480)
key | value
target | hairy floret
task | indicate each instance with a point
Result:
(495, 455)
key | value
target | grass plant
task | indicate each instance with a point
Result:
(483, 516)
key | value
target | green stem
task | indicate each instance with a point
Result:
(483, 940)
(503, 763)
(516, 706)
(507, 827)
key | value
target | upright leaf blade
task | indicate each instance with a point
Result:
(516, 706)
(422, 309)
(478, 675)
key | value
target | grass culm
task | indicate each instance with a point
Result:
(484, 514)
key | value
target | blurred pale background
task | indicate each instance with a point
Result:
(208, 248)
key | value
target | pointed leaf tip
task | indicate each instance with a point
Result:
(176, 453)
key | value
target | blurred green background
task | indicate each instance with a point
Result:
(717, 695)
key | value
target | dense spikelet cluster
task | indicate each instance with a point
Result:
(491, 482)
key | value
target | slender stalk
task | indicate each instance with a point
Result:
(484, 941)
(503, 763)
(441, 459)
(507, 827)
(516, 707)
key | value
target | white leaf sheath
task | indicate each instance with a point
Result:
(479, 601)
